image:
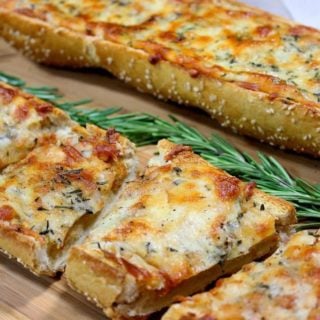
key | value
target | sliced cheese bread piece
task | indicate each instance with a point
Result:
(285, 286)
(256, 73)
(49, 199)
(173, 231)
(25, 121)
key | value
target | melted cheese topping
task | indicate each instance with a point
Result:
(285, 286)
(181, 218)
(24, 122)
(125, 12)
(222, 39)
(45, 194)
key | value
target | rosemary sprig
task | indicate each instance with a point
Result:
(145, 129)
(14, 81)
(46, 93)
(307, 225)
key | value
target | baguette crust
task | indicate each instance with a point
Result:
(101, 282)
(173, 232)
(284, 286)
(24, 246)
(291, 123)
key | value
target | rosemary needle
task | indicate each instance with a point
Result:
(143, 129)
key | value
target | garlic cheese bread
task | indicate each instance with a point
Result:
(172, 232)
(254, 72)
(25, 121)
(51, 198)
(285, 286)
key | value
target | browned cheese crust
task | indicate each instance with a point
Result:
(255, 73)
(284, 286)
(173, 231)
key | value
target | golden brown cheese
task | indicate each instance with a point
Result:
(285, 286)
(25, 121)
(255, 72)
(54, 194)
(173, 231)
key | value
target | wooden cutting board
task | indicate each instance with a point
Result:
(25, 296)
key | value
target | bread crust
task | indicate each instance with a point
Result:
(101, 282)
(42, 43)
(24, 248)
(282, 210)
(253, 118)
(271, 120)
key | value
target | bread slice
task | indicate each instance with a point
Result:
(50, 199)
(26, 121)
(285, 286)
(173, 231)
(255, 73)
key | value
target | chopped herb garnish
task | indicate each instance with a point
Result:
(64, 207)
(76, 191)
(71, 172)
(42, 209)
(177, 170)
(149, 248)
(47, 230)
(102, 183)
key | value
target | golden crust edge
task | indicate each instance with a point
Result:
(82, 262)
(282, 210)
(24, 248)
(269, 121)
(44, 44)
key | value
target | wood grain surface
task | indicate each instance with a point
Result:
(25, 296)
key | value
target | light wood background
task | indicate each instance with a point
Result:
(24, 296)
